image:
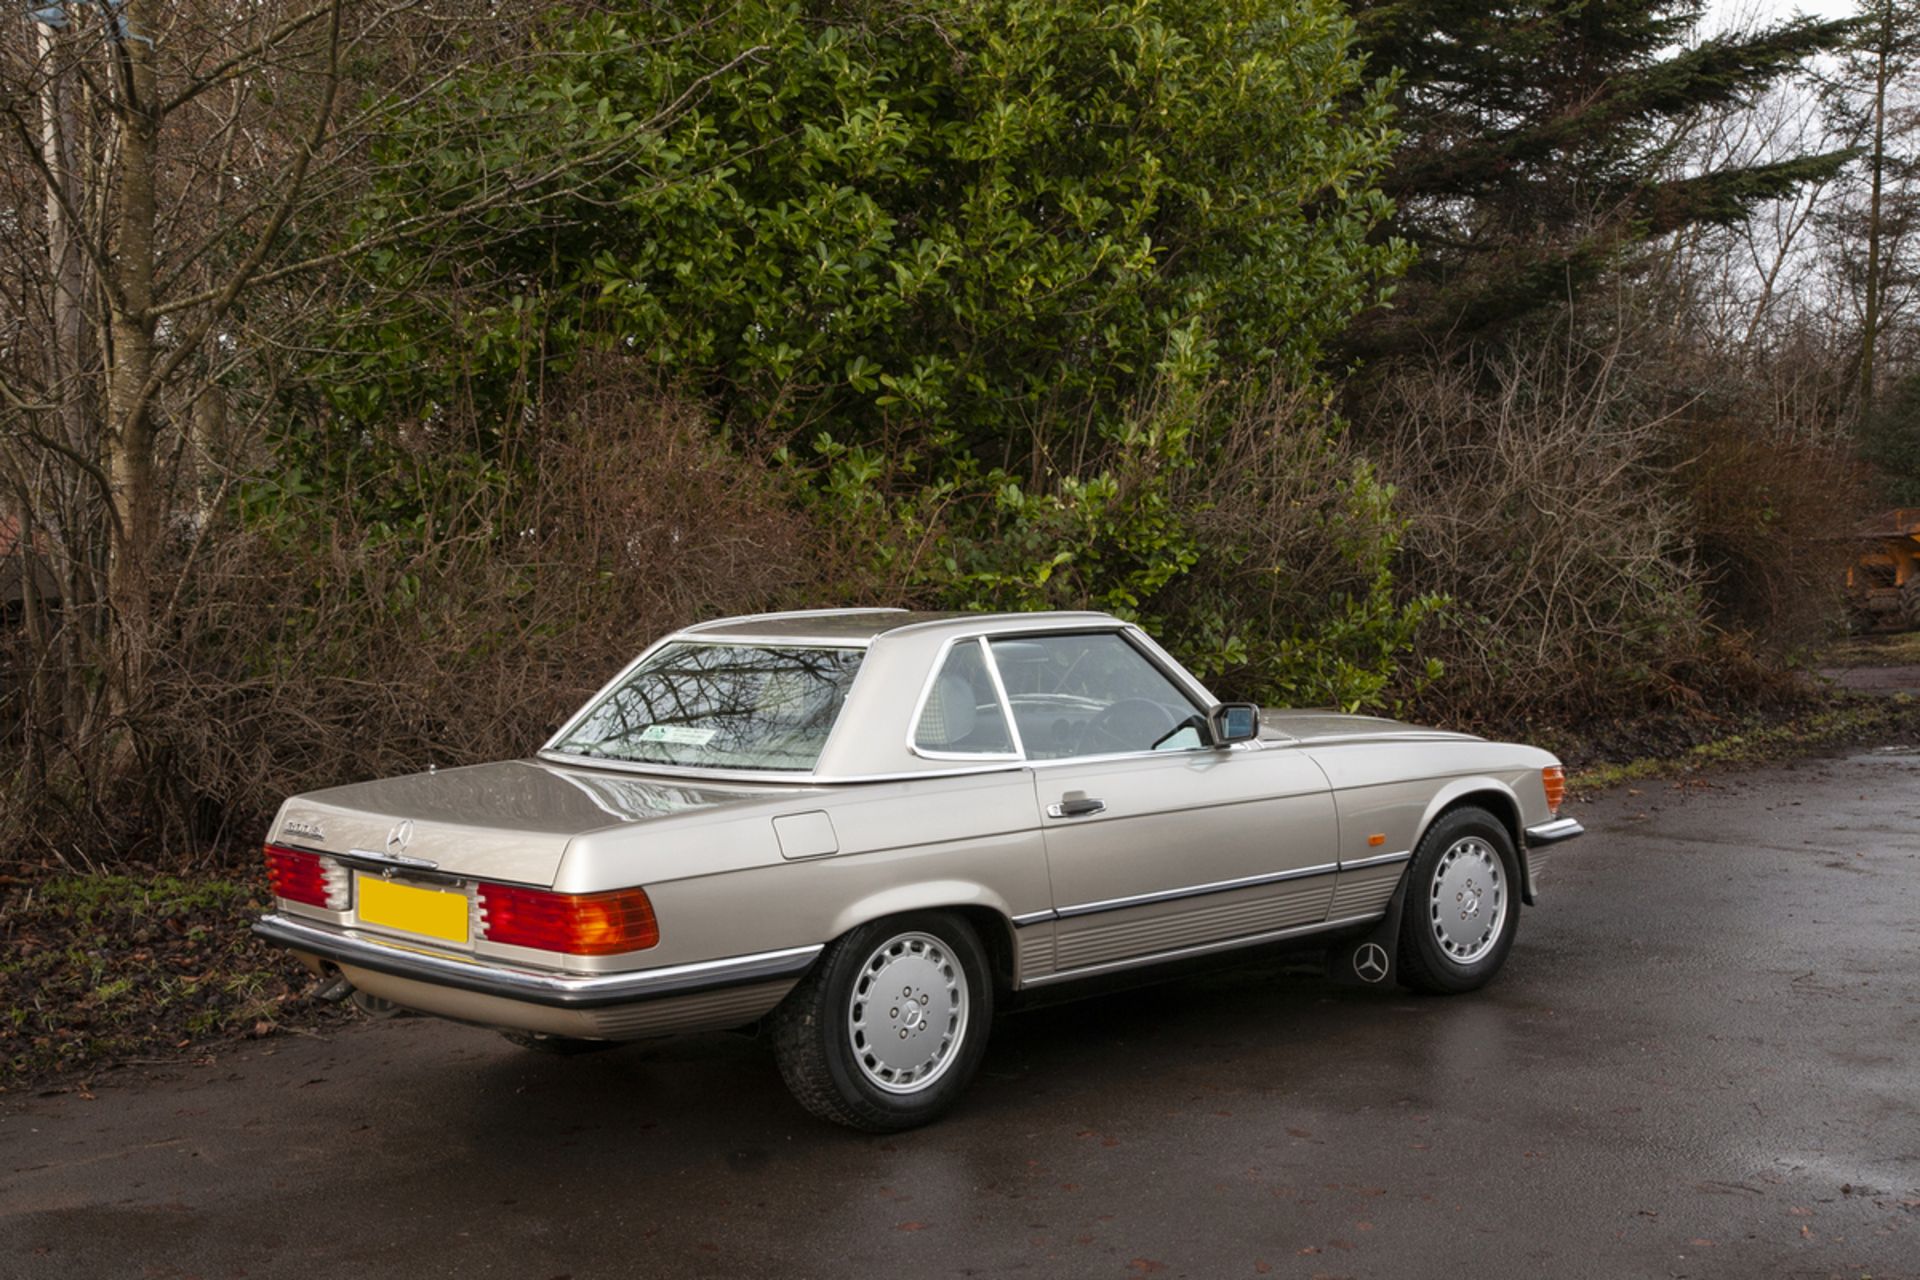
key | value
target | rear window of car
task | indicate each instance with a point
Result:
(720, 706)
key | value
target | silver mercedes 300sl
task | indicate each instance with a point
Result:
(868, 827)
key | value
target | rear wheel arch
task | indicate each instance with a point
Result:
(995, 932)
(978, 906)
(990, 924)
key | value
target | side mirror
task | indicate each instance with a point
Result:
(1234, 722)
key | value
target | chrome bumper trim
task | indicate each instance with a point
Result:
(1555, 832)
(554, 990)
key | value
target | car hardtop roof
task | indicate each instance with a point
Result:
(863, 626)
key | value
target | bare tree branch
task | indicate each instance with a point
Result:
(420, 224)
(231, 67)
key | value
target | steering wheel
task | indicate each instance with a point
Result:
(1131, 724)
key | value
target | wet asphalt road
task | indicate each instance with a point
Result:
(1703, 1059)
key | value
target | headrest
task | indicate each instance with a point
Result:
(949, 713)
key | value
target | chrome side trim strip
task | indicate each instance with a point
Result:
(1555, 832)
(1205, 948)
(1033, 917)
(1378, 860)
(1072, 762)
(553, 990)
(1192, 891)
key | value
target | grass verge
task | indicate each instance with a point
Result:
(1896, 649)
(1763, 738)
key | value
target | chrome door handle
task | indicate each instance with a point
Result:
(1076, 804)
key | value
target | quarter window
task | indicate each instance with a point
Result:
(1092, 695)
(962, 714)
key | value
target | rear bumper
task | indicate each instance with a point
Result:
(351, 950)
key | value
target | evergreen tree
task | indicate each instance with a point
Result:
(1874, 101)
(1538, 143)
(1889, 435)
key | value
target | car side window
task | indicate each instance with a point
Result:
(1093, 695)
(962, 713)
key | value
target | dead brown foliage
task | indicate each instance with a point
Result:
(320, 649)
(1532, 484)
(1624, 527)
(1771, 517)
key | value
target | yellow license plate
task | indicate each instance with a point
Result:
(431, 912)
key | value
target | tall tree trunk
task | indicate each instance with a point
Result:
(130, 438)
(1877, 158)
(68, 266)
(41, 704)
(66, 503)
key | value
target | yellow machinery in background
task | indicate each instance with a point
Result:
(1884, 581)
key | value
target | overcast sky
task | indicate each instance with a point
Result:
(1725, 13)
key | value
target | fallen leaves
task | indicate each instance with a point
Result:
(107, 971)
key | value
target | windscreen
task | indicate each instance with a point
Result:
(720, 706)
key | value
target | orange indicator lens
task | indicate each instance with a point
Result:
(1554, 778)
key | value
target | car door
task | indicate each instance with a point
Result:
(1158, 843)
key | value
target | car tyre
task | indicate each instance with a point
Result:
(888, 1027)
(1462, 907)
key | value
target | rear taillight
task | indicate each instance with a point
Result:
(575, 924)
(299, 876)
(1554, 779)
